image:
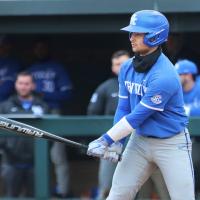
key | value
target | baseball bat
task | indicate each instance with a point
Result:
(25, 129)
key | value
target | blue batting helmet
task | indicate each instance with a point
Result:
(186, 67)
(151, 22)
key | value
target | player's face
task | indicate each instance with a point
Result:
(138, 46)
(117, 62)
(24, 86)
(186, 79)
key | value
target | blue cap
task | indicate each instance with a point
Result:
(186, 67)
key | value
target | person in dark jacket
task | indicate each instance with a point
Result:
(24, 101)
(105, 98)
(18, 152)
(104, 102)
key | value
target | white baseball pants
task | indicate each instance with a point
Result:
(143, 155)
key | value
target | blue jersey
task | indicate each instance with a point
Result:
(52, 81)
(192, 100)
(153, 101)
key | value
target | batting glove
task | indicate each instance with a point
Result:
(113, 153)
(97, 147)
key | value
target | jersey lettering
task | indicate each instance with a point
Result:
(136, 88)
(44, 75)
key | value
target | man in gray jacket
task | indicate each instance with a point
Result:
(17, 163)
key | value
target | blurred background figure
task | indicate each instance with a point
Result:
(105, 98)
(59, 158)
(24, 100)
(188, 72)
(54, 86)
(17, 163)
(52, 80)
(9, 67)
(104, 102)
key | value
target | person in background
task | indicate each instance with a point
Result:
(188, 72)
(17, 163)
(54, 85)
(104, 102)
(105, 98)
(52, 80)
(9, 67)
(25, 101)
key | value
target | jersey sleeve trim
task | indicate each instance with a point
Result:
(123, 97)
(150, 107)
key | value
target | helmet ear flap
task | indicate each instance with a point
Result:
(151, 39)
(155, 39)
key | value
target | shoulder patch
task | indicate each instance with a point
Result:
(157, 99)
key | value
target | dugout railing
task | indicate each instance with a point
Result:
(67, 126)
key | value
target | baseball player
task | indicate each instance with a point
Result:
(104, 102)
(151, 104)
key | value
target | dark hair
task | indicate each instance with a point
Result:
(119, 53)
(194, 76)
(25, 73)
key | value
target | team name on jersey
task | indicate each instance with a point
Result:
(44, 74)
(136, 88)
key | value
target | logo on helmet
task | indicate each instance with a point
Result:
(133, 19)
